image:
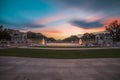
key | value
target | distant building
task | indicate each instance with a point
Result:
(71, 39)
(37, 41)
(18, 37)
(88, 42)
(36, 38)
(103, 39)
(98, 39)
(88, 39)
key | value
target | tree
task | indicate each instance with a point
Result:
(114, 29)
(31, 35)
(1, 30)
(88, 38)
(71, 39)
(4, 33)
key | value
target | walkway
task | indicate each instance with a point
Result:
(16, 68)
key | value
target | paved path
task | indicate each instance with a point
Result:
(68, 48)
(16, 68)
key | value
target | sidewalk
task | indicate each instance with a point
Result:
(16, 68)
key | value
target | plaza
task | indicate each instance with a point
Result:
(16, 68)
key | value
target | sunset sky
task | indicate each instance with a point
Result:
(58, 18)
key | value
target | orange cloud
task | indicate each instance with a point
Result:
(65, 30)
(51, 19)
(92, 30)
(111, 19)
(53, 31)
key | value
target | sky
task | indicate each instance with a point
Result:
(59, 18)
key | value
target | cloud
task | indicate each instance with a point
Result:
(93, 18)
(110, 7)
(53, 31)
(109, 20)
(32, 25)
(19, 25)
(51, 19)
(84, 24)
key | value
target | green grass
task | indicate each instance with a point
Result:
(61, 54)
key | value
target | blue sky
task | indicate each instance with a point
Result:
(54, 17)
(25, 11)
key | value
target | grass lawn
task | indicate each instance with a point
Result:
(61, 54)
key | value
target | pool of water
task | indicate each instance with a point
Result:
(63, 44)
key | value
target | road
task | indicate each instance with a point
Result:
(16, 68)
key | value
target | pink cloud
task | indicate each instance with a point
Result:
(65, 30)
(51, 19)
(93, 18)
(111, 19)
(53, 31)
